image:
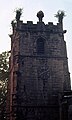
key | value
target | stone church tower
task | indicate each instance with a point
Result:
(39, 76)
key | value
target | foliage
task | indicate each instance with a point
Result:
(4, 73)
(60, 15)
(18, 13)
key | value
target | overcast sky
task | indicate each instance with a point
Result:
(30, 9)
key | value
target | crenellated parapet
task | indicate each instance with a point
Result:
(39, 27)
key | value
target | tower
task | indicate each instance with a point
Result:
(38, 71)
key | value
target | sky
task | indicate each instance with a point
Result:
(30, 9)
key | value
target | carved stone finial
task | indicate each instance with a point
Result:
(40, 15)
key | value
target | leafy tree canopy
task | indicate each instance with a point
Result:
(4, 74)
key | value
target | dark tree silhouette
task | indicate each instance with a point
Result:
(4, 73)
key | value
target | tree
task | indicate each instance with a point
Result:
(60, 15)
(4, 73)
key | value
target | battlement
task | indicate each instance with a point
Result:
(40, 26)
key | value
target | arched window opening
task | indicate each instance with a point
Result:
(40, 46)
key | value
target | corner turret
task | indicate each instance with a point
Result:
(60, 15)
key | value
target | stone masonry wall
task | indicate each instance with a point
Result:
(37, 79)
(46, 74)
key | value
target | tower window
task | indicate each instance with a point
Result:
(40, 46)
